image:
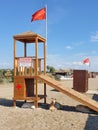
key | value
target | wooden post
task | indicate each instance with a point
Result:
(36, 55)
(14, 57)
(25, 54)
(36, 70)
(14, 103)
(39, 65)
(25, 50)
(45, 93)
(36, 101)
(34, 64)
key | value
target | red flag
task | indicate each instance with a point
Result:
(86, 61)
(39, 15)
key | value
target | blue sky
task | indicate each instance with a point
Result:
(72, 30)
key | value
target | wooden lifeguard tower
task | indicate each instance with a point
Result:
(27, 68)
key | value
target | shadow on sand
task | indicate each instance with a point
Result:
(64, 107)
(67, 108)
(92, 121)
(9, 103)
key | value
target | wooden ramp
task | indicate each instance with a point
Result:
(70, 92)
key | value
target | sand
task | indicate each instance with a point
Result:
(42, 118)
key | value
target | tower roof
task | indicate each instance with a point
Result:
(29, 37)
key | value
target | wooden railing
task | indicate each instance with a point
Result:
(26, 66)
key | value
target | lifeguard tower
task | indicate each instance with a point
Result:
(27, 68)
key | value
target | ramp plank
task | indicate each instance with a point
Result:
(70, 92)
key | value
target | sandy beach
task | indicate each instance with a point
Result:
(42, 118)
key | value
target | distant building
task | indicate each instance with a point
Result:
(64, 74)
(92, 74)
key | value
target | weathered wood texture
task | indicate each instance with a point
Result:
(80, 81)
(26, 68)
(70, 92)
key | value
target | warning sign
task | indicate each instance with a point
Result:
(25, 62)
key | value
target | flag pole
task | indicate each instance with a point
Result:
(46, 24)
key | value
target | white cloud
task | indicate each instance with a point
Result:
(82, 54)
(4, 65)
(77, 63)
(69, 47)
(52, 60)
(58, 61)
(94, 38)
(74, 62)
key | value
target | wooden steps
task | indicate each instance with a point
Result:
(70, 92)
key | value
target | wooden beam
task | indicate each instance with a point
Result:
(14, 57)
(70, 92)
(36, 101)
(25, 50)
(45, 93)
(36, 55)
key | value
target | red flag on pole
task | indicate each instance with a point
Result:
(39, 15)
(86, 61)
